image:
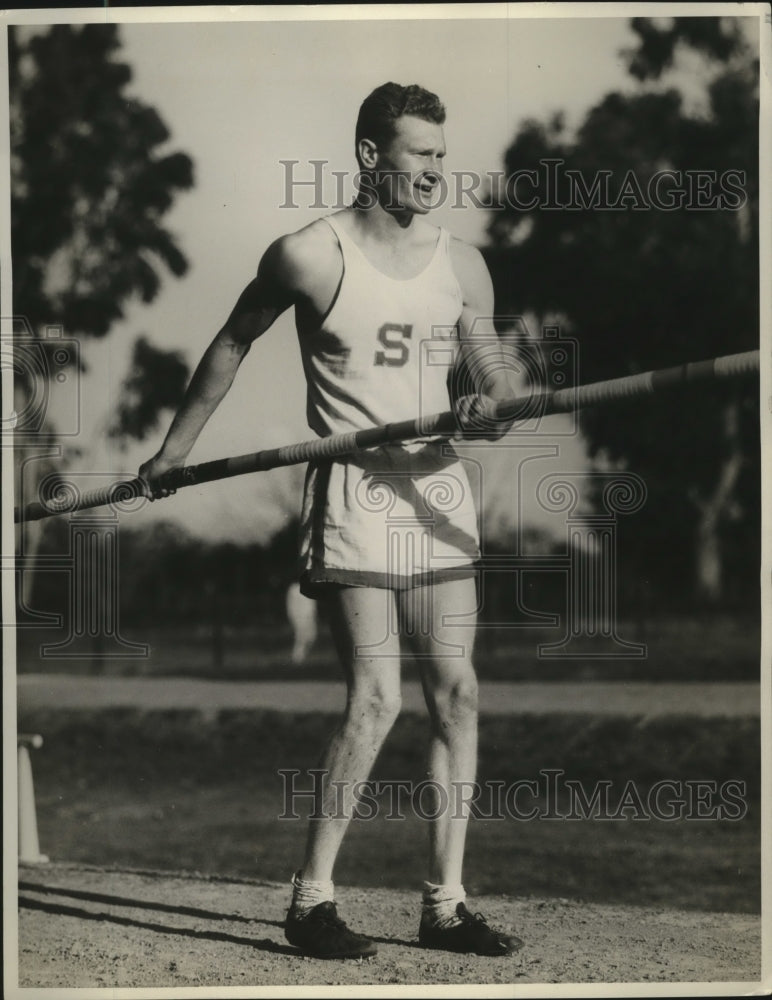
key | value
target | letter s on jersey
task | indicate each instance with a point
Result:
(393, 337)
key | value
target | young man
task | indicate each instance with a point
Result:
(389, 536)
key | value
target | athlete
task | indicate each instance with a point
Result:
(385, 305)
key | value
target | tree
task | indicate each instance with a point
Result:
(89, 189)
(156, 381)
(641, 234)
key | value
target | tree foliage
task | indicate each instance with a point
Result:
(156, 381)
(89, 183)
(643, 286)
(716, 38)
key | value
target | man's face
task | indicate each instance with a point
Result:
(410, 168)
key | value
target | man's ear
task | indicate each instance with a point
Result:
(368, 153)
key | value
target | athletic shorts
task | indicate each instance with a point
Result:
(394, 517)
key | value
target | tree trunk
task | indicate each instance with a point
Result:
(34, 458)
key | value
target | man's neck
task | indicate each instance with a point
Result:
(387, 226)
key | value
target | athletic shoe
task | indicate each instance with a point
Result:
(322, 934)
(471, 934)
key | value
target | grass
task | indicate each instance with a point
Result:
(171, 790)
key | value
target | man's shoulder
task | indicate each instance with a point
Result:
(300, 256)
(303, 246)
(465, 253)
(468, 262)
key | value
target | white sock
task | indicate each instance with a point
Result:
(440, 902)
(307, 894)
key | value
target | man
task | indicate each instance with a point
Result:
(390, 535)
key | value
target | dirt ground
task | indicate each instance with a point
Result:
(83, 926)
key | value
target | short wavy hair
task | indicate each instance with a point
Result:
(381, 109)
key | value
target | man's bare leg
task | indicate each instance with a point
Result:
(371, 663)
(440, 623)
(359, 619)
(450, 688)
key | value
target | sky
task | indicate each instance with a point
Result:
(240, 97)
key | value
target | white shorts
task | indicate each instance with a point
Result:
(394, 517)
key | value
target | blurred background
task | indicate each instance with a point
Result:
(149, 166)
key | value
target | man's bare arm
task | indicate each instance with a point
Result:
(480, 344)
(264, 299)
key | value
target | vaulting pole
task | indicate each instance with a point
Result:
(444, 424)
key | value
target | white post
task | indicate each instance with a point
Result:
(29, 847)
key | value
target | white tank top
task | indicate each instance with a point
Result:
(385, 348)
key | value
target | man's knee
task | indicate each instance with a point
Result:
(375, 704)
(456, 699)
